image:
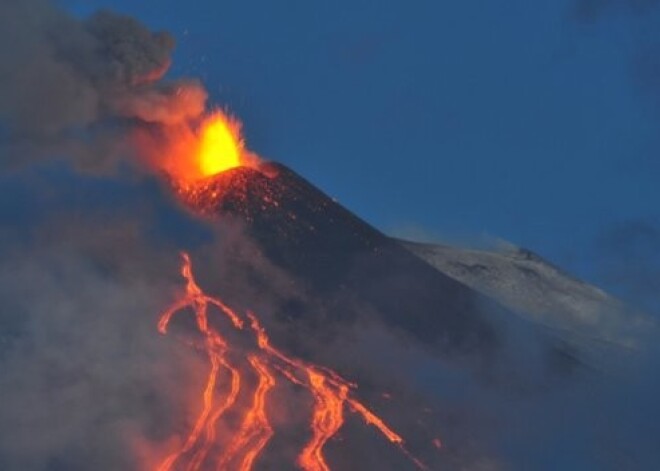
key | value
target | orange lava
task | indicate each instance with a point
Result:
(192, 151)
(229, 401)
(216, 347)
(220, 145)
(327, 419)
(255, 431)
(331, 393)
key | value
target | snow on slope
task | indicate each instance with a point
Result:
(534, 288)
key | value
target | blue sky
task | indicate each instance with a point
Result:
(453, 119)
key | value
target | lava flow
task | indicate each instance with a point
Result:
(331, 394)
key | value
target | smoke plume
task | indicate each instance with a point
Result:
(67, 84)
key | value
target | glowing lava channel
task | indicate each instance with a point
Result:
(216, 348)
(330, 391)
(255, 430)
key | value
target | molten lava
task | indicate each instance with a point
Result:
(193, 151)
(220, 145)
(331, 394)
(255, 431)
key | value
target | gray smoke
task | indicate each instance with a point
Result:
(66, 84)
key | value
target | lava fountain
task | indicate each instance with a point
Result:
(221, 145)
(190, 152)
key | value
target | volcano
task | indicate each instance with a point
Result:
(337, 255)
(347, 268)
(445, 295)
(384, 360)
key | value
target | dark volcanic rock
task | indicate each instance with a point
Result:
(331, 250)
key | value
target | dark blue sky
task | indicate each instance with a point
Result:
(452, 118)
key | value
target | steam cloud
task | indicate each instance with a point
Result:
(62, 78)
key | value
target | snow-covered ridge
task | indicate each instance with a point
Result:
(534, 288)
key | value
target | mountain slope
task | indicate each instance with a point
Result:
(344, 260)
(530, 286)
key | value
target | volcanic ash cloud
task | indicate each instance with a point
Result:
(72, 86)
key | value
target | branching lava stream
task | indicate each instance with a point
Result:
(331, 394)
